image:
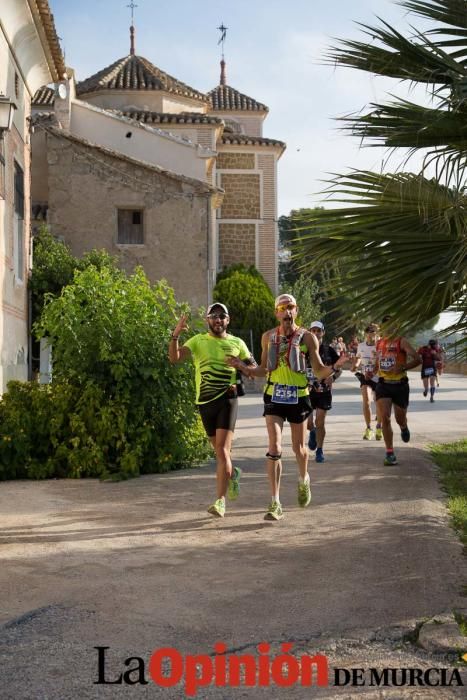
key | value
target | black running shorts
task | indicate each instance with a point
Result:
(398, 392)
(366, 382)
(321, 399)
(293, 412)
(219, 414)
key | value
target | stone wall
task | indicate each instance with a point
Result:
(87, 187)
(242, 196)
(236, 161)
(237, 244)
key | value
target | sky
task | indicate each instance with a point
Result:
(273, 52)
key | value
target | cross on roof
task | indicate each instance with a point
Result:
(223, 31)
(132, 5)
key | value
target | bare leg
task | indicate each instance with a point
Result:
(298, 431)
(384, 415)
(274, 425)
(400, 415)
(222, 443)
(320, 428)
(366, 397)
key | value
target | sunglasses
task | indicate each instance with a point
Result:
(286, 307)
(222, 317)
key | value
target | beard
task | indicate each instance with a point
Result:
(217, 327)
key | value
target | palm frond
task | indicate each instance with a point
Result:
(409, 125)
(402, 58)
(401, 242)
(451, 12)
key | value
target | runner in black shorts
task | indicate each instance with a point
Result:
(220, 414)
(394, 356)
(286, 395)
(320, 393)
(216, 394)
(364, 367)
(295, 413)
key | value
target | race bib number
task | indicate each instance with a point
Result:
(369, 369)
(284, 393)
(387, 363)
(428, 371)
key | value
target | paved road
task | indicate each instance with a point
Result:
(139, 565)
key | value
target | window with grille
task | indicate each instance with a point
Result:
(18, 224)
(130, 227)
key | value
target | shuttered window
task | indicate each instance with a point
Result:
(18, 249)
(130, 227)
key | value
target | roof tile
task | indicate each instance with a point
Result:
(136, 73)
(224, 98)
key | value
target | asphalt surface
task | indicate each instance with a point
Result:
(137, 566)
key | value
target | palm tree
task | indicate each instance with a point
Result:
(405, 233)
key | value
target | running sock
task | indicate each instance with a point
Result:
(432, 391)
(390, 451)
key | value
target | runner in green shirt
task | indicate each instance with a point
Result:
(216, 393)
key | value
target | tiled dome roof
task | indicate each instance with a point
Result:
(224, 97)
(136, 73)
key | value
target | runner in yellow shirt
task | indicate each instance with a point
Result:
(286, 395)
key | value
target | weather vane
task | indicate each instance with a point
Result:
(223, 31)
(132, 5)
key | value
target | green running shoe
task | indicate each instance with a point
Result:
(217, 508)
(368, 434)
(274, 512)
(379, 433)
(390, 460)
(304, 494)
(233, 489)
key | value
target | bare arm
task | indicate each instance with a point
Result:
(320, 370)
(250, 368)
(411, 353)
(176, 353)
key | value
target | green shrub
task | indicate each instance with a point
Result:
(116, 407)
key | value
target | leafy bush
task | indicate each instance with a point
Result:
(116, 407)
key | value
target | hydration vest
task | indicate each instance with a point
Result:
(295, 358)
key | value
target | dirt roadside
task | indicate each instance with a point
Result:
(139, 565)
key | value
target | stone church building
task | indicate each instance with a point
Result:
(160, 174)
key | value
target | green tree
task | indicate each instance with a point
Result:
(54, 267)
(250, 302)
(405, 232)
(306, 293)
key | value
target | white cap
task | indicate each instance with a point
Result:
(213, 306)
(284, 299)
(317, 324)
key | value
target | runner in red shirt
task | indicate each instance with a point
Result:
(394, 356)
(430, 358)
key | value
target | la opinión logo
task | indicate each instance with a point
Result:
(167, 667)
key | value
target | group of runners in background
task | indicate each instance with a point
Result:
(299, 369)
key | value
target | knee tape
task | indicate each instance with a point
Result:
(273, 458)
